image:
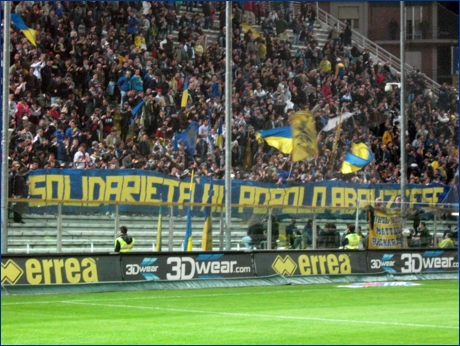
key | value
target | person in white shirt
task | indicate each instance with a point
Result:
(203, 129)
(12, 107)
(37, 66)
(81, 159)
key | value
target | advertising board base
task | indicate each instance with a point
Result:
(273, 280)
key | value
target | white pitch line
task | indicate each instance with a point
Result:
(182, 296)
(170, 297)
(271, 317)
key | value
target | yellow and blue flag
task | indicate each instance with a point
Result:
(206, 240)
(304, 144)
(188, 243)
(280, 138)
(220, 136)
(188, 138)
(184, 101)
(30, 33)
(360, 156)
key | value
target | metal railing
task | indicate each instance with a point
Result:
(363, 42)
(57, 230)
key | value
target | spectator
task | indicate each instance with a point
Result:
(81, 158)
(255, 234)
(307, 234)
(329, 238)
(447, 241)
(293, 235)
(422, 237)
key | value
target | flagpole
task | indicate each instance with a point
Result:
(402, 109)
(336, 141)
(228, 125)
(5, 124)
(160, 227)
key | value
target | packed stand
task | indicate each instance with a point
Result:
(72, 97)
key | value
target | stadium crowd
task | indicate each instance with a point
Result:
(72, 96)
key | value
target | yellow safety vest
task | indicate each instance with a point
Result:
(124, 246)
(353, 241)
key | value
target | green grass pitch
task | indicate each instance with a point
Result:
(298, 314)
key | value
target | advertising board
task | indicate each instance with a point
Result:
(186, 266)
(310, 263)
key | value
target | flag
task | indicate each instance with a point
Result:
(360, 156)
(384, 230)
(247, 27)
(332, 122)
(135, 110)
(188, 137)
(220, 136)
(183, 103)
(188, 243)
(304, 144)
(280, 138)
(206, 240)
(31, 34)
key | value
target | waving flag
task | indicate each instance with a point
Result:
(31, 34)
(135, 110)
(220, 136)
(360, 156)
(188, 137)
(188, 243)
(304, 143)
(185, 93)
(333, 122)
(206, 240)
(280, 138)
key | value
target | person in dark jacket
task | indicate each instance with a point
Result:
(256, 234)
(329, 237)
(18, 189)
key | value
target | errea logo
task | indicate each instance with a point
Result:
(11, 272)
(284, 266)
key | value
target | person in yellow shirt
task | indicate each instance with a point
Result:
(447, 241)
(139, 41)
(262, 49)
(351, 240)
(325, 65)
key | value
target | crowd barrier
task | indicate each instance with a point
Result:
(154, 266)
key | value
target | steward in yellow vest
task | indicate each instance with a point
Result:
(351, 240)
(124, 243)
